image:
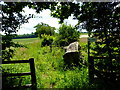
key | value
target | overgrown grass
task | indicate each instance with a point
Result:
(25, 40)
(49, 65)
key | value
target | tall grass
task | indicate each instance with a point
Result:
(48, 65)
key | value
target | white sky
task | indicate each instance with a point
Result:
(46, 18)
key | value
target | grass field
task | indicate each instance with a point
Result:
(26, 40)
(49, 65)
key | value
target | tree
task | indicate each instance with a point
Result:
(102, 19)
(44, 29)
(67, 35)
(45, 32)
(12, 18)
(64, 10)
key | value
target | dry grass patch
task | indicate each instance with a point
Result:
(83, 40)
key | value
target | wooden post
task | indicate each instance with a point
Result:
(33, 76)
(88, 50)
(91, 69)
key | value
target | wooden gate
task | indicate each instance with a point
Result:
(32, 72)
(105, 73)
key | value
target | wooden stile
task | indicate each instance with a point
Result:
(32, 71)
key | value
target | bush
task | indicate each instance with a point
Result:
(47, 40)
(67, 35)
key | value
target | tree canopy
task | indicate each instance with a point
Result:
(67, 35)
(44, 29)
(12, 19)
(102, 18)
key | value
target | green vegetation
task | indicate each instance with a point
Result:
(25, 40)
(45, 32)
(44, 29)
(67, 35)
(99, 19)
(48, 65)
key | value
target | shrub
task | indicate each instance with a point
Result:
(47, 40)
(67, 35)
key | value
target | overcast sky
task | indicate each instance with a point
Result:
(45, 18)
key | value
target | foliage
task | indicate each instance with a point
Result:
(74, 79)
(64, 9)
(108, 34)
(7, 44)
(12, 19)
(48, 66)
(91, 16)
(44, 29)
(101, 20)
(47, 40)
(67, 35)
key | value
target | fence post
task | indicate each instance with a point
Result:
(33, 76)
(91, 69)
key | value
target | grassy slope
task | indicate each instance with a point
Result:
(48, 64)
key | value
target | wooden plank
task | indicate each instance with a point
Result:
(33, 76)
(17, 74)
(91, 69)
(17, 61)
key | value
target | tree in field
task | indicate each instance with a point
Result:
(12, 18)
(44, 29)
(45, 32)
(67, 35)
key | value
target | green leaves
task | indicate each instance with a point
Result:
(47, 40)
(7, 47)
(67, 35)
(44, 29)
(63, 10)
(12, 19)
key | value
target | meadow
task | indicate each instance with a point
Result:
(49, 65)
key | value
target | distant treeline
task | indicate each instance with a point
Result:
(32, 35)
